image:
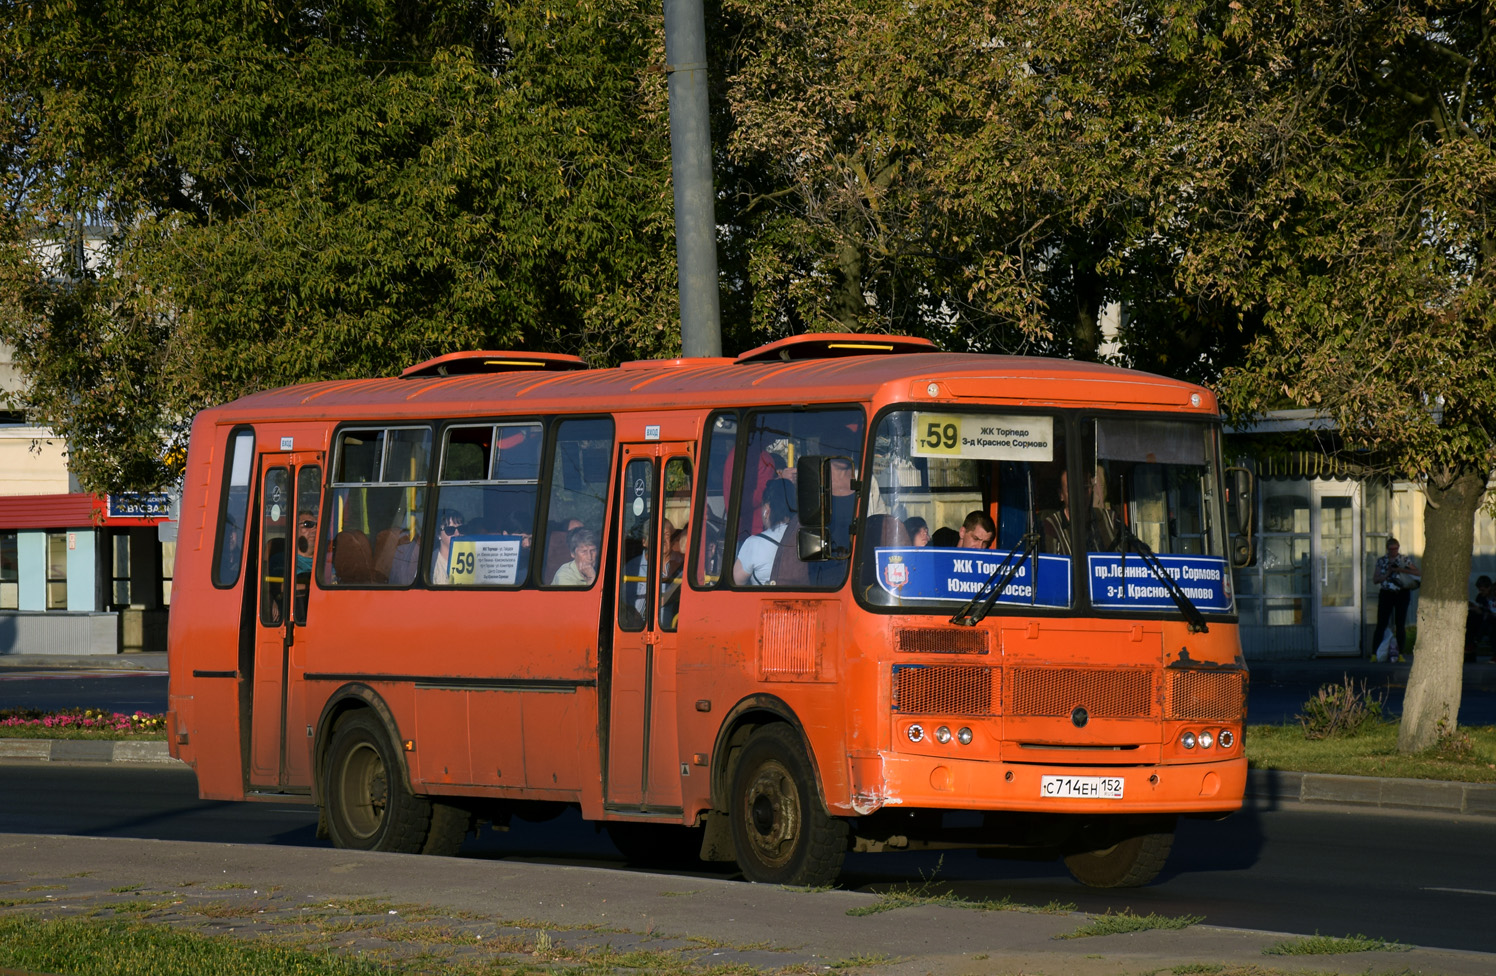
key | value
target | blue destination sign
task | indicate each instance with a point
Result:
(139, 504)
(1202, 578)
(926, 573)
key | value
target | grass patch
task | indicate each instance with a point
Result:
(1329, 945)
(1125, 921)
(104, 948)
(863, 959)
(1373, 752)
(923, 894)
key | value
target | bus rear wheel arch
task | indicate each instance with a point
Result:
(781, 830)
(368, 804)
(1128, 851)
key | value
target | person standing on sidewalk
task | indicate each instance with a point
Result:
(1397, 576)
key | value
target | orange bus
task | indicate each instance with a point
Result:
(840, 593)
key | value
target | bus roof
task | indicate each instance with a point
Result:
(926, 377)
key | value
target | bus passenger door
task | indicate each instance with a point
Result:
(290, 508)
(643, 760)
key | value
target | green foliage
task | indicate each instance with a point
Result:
(272, 195)
(1340, 710)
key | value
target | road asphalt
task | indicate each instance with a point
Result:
(546, 915)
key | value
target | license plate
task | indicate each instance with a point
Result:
(1082, 787)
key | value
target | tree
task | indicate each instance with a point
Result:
(312, 191)
(1343, 188)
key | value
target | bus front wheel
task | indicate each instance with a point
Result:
(369, 807)
(781, 832)
(1133, 852)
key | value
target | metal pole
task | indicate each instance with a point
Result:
(691, 164)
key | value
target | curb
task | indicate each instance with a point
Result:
(1271, 785)
(1431, 796)
(86, 750)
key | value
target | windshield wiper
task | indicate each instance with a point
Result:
(1191, 614)
(981, 604)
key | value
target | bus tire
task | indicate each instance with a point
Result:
(369, 807)
(781, 832)
(1135, 858)
(449, 825)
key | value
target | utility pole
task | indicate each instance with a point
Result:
(691, 166)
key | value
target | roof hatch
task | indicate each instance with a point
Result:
(470, 363)
(834, 345)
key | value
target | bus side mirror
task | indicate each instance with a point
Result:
(813, 499)
(1241, 507)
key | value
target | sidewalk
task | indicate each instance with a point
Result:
(546, 918)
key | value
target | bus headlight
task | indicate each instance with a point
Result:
(1206, 740)
(964, 737)
(1187, 740)
(916, 733)
(1228, 739)
(943, 735)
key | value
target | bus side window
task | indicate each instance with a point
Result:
(376, 505)
(578, 497)
(776, 440)
(235, 510)
(716, 485)
(490, 480)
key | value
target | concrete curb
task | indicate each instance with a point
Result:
(1432, 796)
(1271, 785)
(86, 750)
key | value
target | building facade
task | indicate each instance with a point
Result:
(79, 574)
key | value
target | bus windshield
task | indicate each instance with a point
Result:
(966, 498)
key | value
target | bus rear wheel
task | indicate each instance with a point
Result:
(1133, 855)
(781, 833)
(369, 807)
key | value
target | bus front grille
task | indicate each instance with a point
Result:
(1103, 693)
(945, 689)
(1206, 696)
(941, 640)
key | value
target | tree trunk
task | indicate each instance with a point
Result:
(1432, 704)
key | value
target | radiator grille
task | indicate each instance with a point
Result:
(1210, 696)
(944, 689)
(942, 640)
(790, 642)
(1055, 692)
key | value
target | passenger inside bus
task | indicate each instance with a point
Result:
(557, 546)
(449, 522)
(755, 563)
(1101, 530)
(976, 532)
(919, 531)
(582, 569)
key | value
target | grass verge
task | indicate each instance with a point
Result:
(106, 948)
(1373, 752)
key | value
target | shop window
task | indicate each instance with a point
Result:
(119, 552)
(57, 570)
(168, 561)
(10, 579)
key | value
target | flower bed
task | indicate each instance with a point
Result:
(80, 723)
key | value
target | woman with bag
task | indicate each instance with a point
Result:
(1397, 576)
